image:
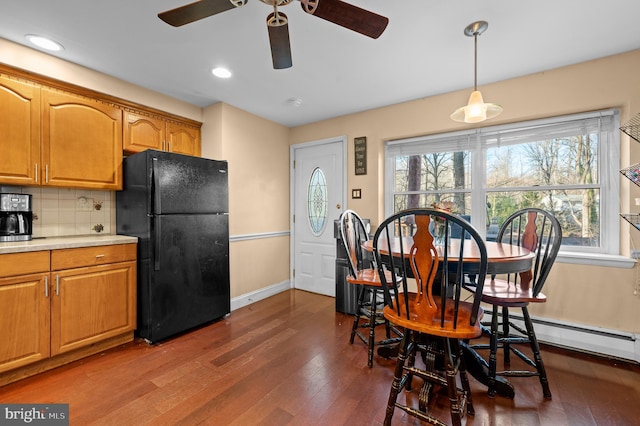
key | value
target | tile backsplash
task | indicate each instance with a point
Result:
(59, 212)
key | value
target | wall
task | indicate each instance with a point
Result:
(605, 297)
(258, 155)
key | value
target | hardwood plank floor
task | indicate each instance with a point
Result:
(286, 360)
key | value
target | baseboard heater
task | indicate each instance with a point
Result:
(594, 340)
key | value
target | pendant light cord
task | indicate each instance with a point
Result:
(475, 61)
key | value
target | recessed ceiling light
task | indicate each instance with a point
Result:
(221, 72)
(44, 42)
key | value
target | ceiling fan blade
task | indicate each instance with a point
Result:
(348, 16)
(198, 10)
(278, 27)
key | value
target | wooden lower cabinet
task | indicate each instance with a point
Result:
(63, 305)
(91, 304)
(24, 322)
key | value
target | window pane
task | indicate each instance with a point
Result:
(317, 204)
(568, 161)
(576, 210)
(426, 179)
(433, 172)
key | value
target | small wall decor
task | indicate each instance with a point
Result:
(360, 151)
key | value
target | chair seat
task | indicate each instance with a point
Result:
(427, 321)
(503, 293)
(370, 277)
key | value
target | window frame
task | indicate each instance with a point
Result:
(474, 140)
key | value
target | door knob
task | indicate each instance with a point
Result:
(338, 206)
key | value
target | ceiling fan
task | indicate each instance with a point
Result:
(340, 13)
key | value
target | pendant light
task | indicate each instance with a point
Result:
(476, 109)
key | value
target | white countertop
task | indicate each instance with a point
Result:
(54, 243)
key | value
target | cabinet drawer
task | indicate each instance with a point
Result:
(13, 264)
(90, 256)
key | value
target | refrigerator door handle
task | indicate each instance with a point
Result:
(156, 245)
(156, 187)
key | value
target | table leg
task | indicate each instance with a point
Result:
(475, 367)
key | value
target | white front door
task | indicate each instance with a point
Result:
(319, 177)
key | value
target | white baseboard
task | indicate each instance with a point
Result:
(263, 293)
(595, 340)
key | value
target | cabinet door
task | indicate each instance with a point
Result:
(183, 139)
(81, 142)
(142, 132)
(24, 320)
(92, 304)
(20, 130)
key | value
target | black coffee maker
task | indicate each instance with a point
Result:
(16, 217)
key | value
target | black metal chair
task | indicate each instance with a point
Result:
(540, 232)
(370, 297)
(430, 307)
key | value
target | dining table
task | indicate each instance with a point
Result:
(503, 258)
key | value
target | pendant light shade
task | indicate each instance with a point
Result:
(476, 109)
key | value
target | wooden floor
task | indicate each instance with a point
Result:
(286, 360)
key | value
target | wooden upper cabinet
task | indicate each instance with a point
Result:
(183, 139)
(20, 130)
(142, 132)
(81, 142)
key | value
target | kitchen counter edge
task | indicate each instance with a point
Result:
(56, 243)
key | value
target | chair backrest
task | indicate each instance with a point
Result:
(539, 231)
(353, 233)
(438, 272)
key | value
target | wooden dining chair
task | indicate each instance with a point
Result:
(370, 297)
(540, 232)
(431, 308)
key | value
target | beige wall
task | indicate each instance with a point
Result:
(258, 154)
(600, 296)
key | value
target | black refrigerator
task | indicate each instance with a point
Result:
(177, 206)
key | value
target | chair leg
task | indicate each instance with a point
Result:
(397, 377)
(451, 347)
(535, 348)
(493, 352)
(373, 311)
(356, 318)
(505, 333)
(464, 379)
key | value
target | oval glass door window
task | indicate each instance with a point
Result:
(318, 202)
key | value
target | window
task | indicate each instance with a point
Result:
(317, 201)
(567, 165)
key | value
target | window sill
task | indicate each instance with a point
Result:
(596, 259)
